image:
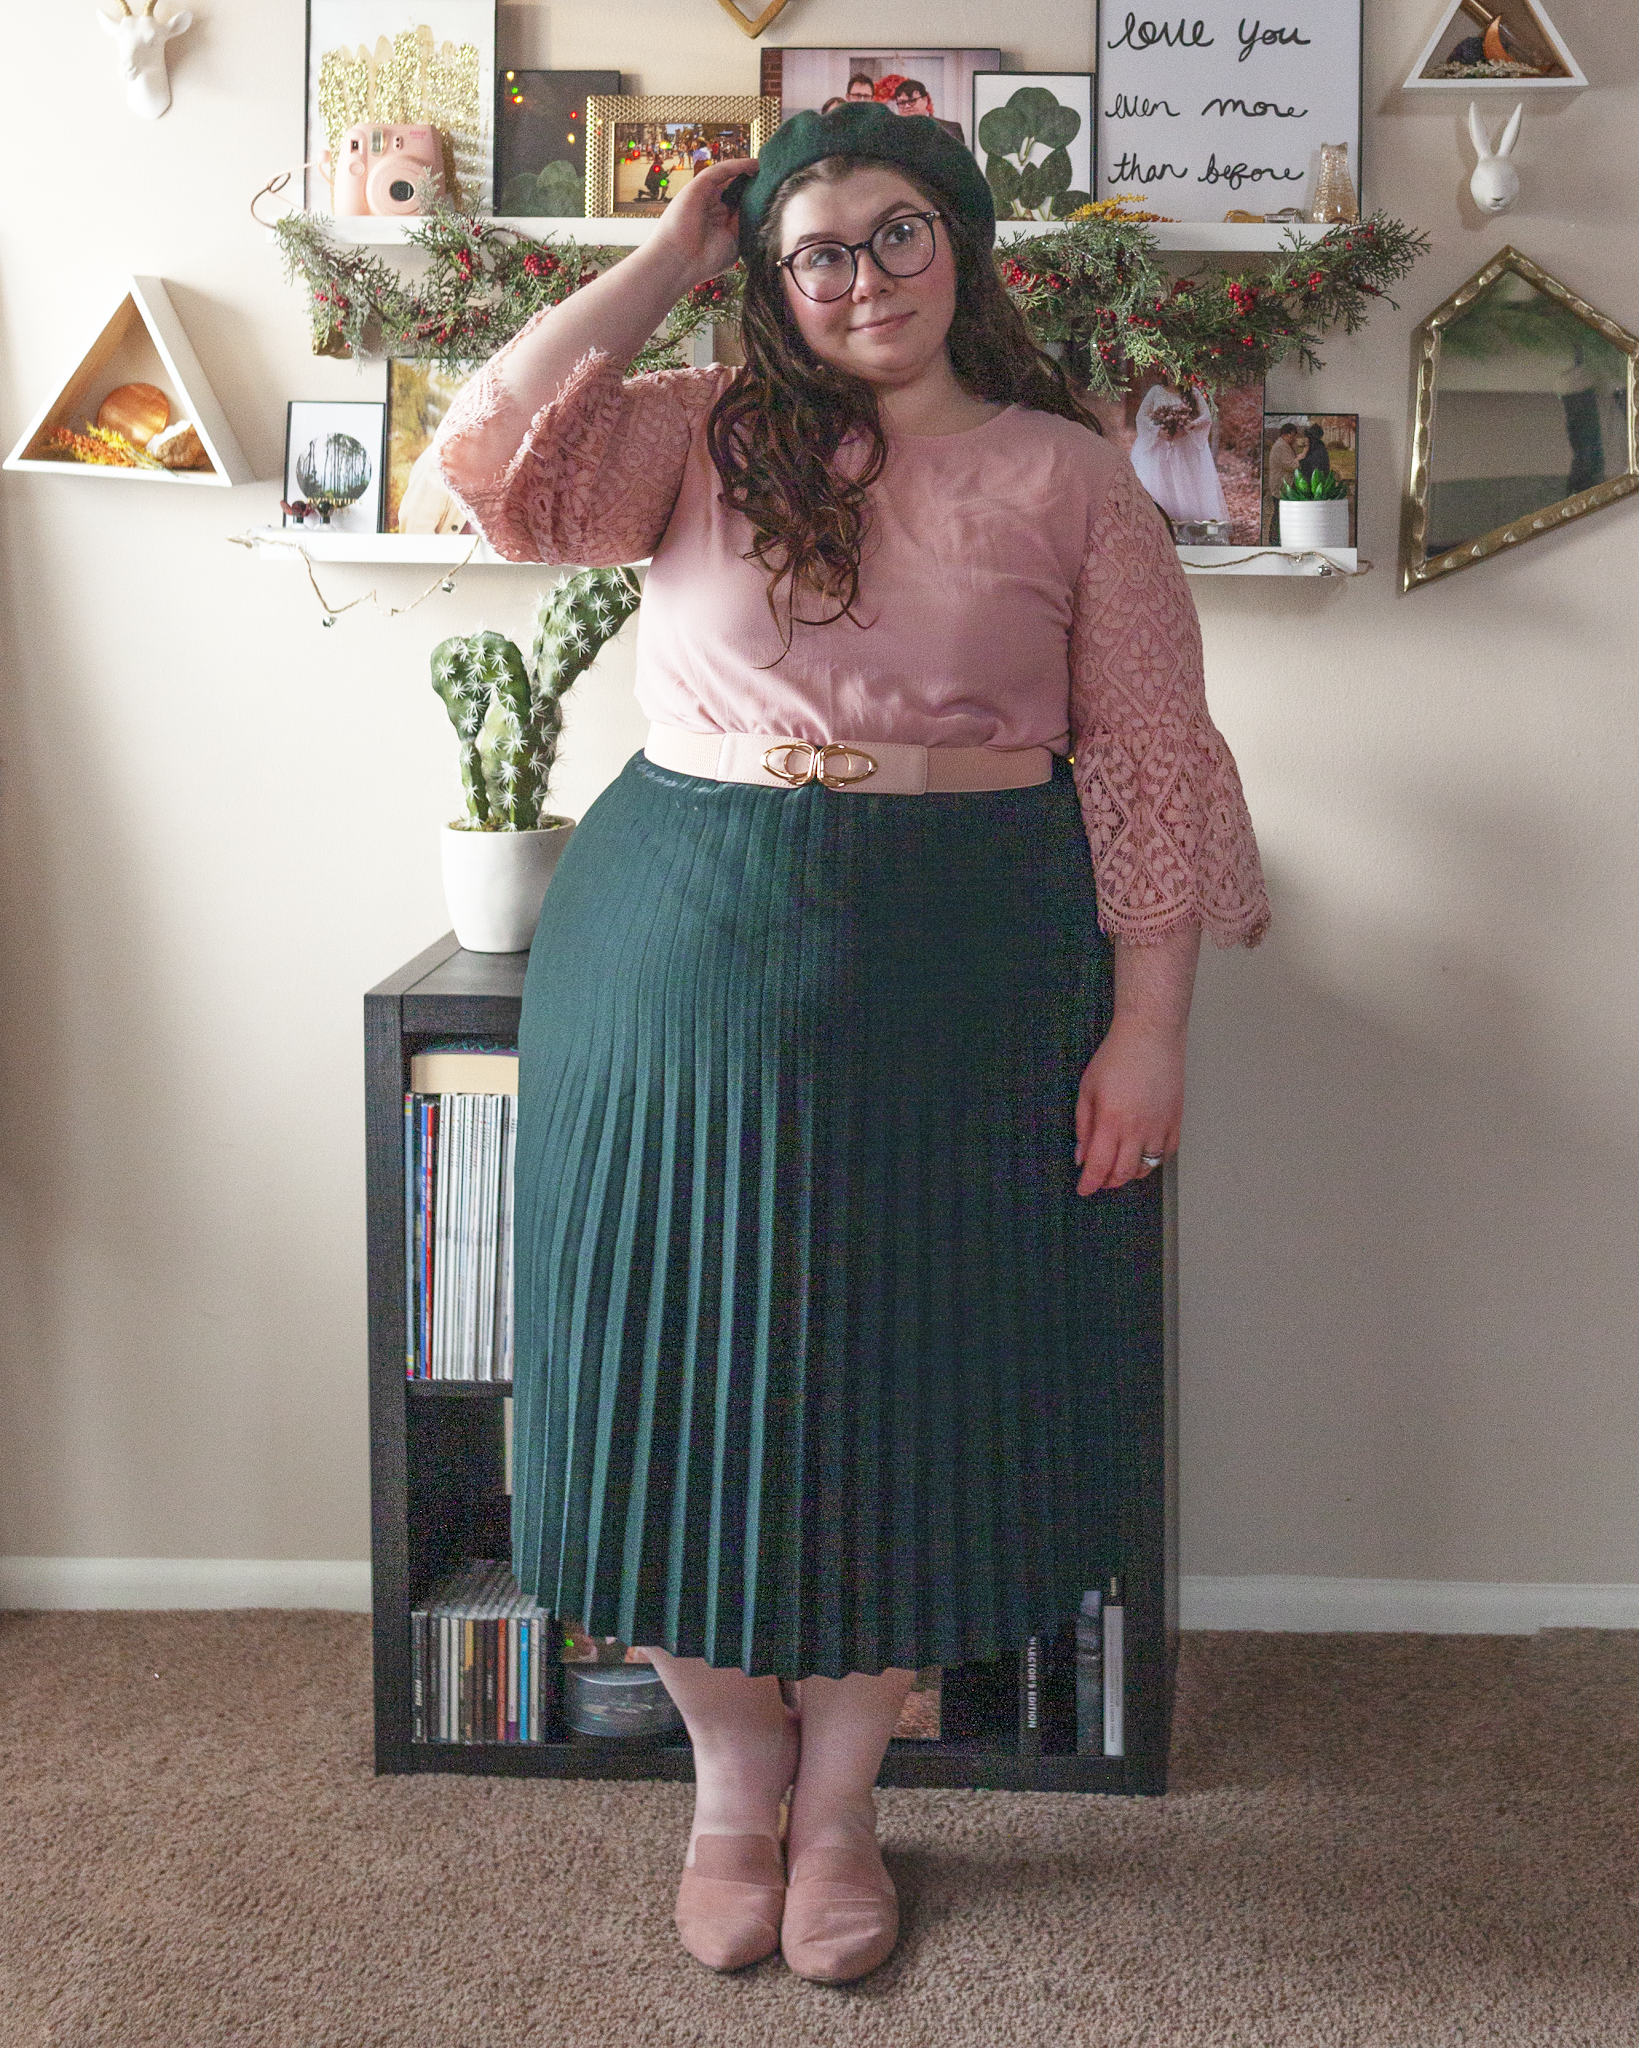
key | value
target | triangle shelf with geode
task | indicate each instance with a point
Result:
(140, 341)
(1508, 33)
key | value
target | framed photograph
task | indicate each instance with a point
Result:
(934, 82)
(1033, 136)
(415, 501)
(540, 139)
(1299, 443)
(1225, 111)
(404, 64)
(643, 151)
(1199, 455)
(333, 460)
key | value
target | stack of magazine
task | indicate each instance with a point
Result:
(460, 1141)
(483, 1661)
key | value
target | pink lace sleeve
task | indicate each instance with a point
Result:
(1172, 843)
(592, 478)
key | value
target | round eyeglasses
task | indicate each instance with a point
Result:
(901, 247)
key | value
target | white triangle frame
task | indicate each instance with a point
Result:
(144, 299)
(1551, 35)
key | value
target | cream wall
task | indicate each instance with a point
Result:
(1408, 1193)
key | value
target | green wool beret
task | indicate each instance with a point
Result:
(866, 128)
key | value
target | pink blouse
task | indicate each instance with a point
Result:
(1017, 589)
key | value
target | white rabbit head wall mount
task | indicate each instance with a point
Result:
(1495, 183)
(141, 40)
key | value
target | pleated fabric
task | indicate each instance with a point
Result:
(819, 1357)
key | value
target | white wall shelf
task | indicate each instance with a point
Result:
(1181, 236)
(290, 543)
(1220, 562)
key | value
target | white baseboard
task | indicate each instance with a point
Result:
(1413, 1606)
(81, 1582)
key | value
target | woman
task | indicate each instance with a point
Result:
(1172, 454)
(815, 1315)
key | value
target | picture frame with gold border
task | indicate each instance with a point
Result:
(731, 124)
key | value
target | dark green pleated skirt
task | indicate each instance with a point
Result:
(818, 1352)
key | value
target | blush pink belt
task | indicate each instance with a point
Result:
(876, 767)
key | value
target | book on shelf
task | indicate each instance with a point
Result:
(460, 1146)
(483, 1664)
(1062, 1694)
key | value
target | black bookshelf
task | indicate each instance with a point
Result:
(437, 1460)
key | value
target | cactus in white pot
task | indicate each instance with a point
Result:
(508, 714)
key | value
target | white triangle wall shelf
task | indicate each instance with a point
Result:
(141, 340)
(1526, 21)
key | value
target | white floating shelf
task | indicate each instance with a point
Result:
(1209, 562)
(1183, 236)
(290, 543)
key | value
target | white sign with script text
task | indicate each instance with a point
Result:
(1223, 104)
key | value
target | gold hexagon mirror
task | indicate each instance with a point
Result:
(1525, 418)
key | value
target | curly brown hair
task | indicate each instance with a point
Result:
(775, 432)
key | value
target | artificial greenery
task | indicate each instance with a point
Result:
(481, 284)
(1314, 487)
(508, 713)
(1025, 186)
(1093, 287)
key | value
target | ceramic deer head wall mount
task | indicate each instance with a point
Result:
(140, 40)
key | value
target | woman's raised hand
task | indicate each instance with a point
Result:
(697, 229)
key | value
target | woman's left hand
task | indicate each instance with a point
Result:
(1130, 1105)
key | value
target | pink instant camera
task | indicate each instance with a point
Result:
(386, 169)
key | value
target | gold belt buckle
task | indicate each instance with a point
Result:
(818, 768)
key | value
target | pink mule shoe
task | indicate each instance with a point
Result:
(841, 1914)
(730, 1900)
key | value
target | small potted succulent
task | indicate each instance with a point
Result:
(499, 858)
(1314, 510)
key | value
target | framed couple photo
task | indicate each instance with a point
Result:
(938, 83)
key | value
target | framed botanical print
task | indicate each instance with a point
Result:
(1033, 136)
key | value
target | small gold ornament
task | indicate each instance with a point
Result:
(753, 27)
(138, 411)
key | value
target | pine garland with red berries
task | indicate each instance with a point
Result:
(1095, 289)
(481, 284)
(1091, 287)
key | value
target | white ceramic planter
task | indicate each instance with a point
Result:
(494, 883)
(1314, 522)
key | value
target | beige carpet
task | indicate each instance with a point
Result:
(1373, 1840)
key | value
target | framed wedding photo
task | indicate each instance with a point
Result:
(1033, 136)
(334, 461)
(402, 64)
(938, 83)
(540, 140)
(642, 151)
(1199, 455)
